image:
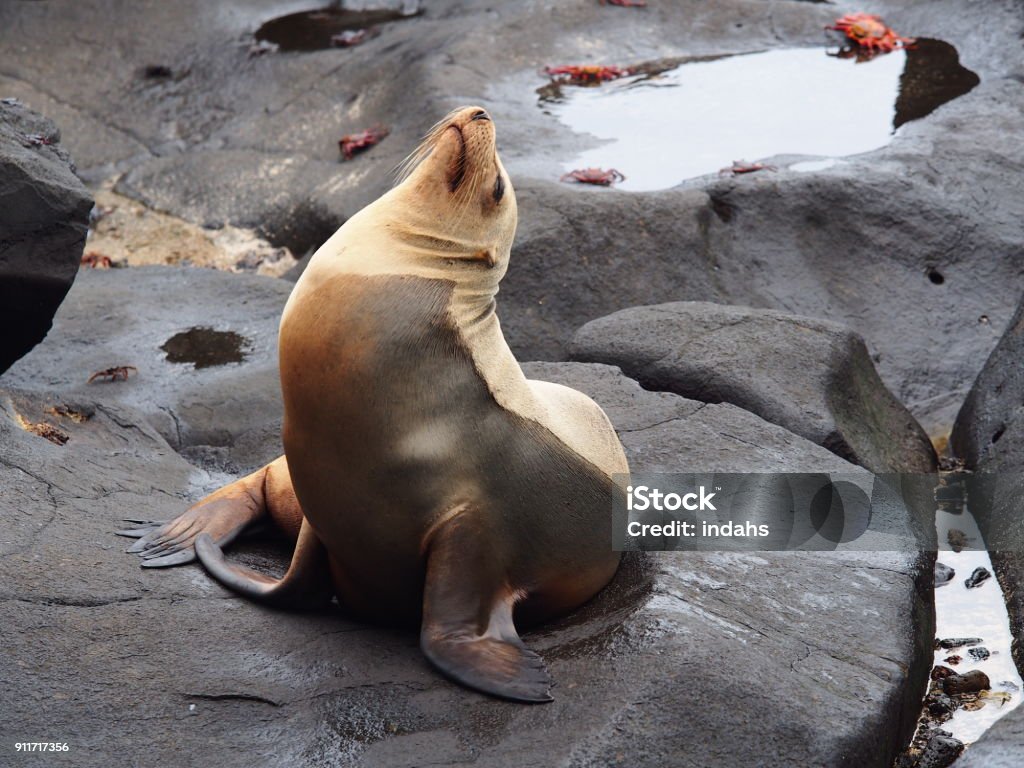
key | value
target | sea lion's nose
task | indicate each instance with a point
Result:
(480, 115)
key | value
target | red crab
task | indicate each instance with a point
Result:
(742, 166)
(587, 74)
(354, 143)
(117, 373)
(37, 140)
(868, 32)
(598, 176)
(95, 260)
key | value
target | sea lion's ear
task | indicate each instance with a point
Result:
(467, 630)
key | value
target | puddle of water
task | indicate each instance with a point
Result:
(808, 166)
(701, 116)
(205, 347)
(978, 612)
(313, 30)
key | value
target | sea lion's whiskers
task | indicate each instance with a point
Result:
(405, 168)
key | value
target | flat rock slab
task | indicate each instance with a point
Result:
(813, 377)
(225, 413)
(44, 215)
(810, 659)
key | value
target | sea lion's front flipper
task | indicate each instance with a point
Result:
(467, 630)
(307, 585)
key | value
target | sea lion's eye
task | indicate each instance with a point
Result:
(499, 188)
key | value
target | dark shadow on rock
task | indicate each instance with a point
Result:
(931, 76)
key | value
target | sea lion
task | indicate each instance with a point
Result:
(424, 477)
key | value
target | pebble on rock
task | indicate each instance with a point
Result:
(957, 539)
(950, 643)
(940, 704)
(939, 672)
(940, 752)
(978, 654)
(968, 682)
(977, 578)
(943, 574)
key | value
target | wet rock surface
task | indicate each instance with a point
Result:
(204, 401)
(916, 247)
(1000, 747)
(926, 227)
(812, 377)
(221, 681)
(44, 215)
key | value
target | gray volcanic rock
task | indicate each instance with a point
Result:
(813, 377)
(1002, 746)
(989, 430)
(940, 752)
(226, 415)
(693, 660)
(914, 246)
(44, 215)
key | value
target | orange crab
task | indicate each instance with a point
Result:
(598, 176)
(586, 74)
(359, 142)
(869, 33)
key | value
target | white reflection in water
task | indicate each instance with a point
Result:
(700, 117)
(978, 612)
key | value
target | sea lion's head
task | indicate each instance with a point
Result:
(460, 192)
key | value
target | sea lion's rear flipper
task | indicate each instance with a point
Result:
(306, 585)
(223, 515)
(467, 630)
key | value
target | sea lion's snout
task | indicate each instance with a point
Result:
(457, 175)
(470, 148)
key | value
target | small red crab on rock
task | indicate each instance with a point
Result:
(597, 176)
(94, 260)
(354, 143)
(742, 166)
(37, 140)
(869, 34)
(117, 373)
(586, 74)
